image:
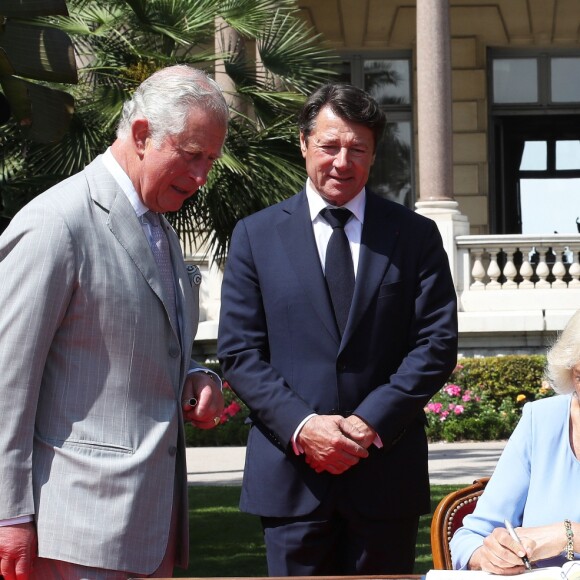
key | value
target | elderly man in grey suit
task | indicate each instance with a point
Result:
(97, 321)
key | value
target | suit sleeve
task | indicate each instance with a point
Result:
(243, 347)
(428, 339)
(36, 273)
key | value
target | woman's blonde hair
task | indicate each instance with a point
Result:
(564, 356)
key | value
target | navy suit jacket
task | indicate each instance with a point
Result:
(282, 353)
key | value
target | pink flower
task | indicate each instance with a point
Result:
(451, 406)
(466, 397)
(458, 409)
(444, 415)
(232, 409)
(434, 408)
(453, 390)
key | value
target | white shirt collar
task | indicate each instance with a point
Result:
(316, 202)
(124, 182)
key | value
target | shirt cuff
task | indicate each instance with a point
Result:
(295, 445)
(15, 521)
(213, 375)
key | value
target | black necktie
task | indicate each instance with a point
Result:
(338, 267)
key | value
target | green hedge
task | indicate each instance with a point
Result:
(485, 394)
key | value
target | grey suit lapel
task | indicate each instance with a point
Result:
(299, 243)
(125, 226)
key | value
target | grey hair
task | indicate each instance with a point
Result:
(166, 98)
(564, 356)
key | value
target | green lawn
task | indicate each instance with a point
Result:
(225, 542)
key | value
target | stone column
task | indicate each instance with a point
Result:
(435, 132)
(228, 40)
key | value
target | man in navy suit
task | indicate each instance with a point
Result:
(336, 462)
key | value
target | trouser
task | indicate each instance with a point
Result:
(339, 543)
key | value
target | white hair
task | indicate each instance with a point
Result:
(166, 98)
(564, 356)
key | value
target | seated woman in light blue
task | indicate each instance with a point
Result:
(536, 483)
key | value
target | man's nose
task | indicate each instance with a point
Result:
(342, 158)
(199, 171)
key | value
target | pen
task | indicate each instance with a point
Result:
(514, 536)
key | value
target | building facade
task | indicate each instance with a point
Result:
(483, 102)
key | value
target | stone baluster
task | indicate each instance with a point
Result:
(510, 271)
(478, 271)
(558, 269)
(542, 270)
(574, 269)
(493, 270)
(526, 272)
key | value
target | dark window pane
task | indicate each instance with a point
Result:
(388, 81)
(391, 173)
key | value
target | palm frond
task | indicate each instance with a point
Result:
(289, 50)
(249, 17)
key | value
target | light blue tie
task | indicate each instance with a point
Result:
(160, 249)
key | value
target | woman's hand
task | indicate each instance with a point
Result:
(549, 541)
(500, 554)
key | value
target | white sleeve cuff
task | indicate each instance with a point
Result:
(15, 521)
(295, 446)
(213, 375)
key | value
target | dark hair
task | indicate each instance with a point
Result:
(349, 103)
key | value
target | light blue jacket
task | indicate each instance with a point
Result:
(535, 482)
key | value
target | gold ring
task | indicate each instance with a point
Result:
(216, 420)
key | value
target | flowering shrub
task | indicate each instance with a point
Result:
(454, 414)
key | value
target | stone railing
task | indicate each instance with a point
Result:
(519, 261)
(518, 272)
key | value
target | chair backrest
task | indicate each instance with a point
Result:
(448, 516)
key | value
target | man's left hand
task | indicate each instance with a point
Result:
(210, 400)
(366, 435)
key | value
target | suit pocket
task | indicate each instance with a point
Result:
(392, 289)
(96, 446)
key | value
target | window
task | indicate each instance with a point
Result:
(515, 80)
(550, 186)
(388, 80)
(535, 142)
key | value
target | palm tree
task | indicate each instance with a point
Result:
(259, 50)
(32, 109)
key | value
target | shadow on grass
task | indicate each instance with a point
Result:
(225, 542)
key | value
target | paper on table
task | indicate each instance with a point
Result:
(568, 571)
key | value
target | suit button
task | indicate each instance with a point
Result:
(172, 450)
(173, 352)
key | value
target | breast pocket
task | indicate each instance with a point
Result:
(390, 290)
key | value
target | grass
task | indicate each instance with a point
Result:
(226, 542)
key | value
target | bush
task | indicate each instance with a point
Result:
(484, 398)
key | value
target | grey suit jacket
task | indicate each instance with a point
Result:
(91, 372)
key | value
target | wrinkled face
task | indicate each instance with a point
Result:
(174, 171)
(576, 379)
(339, 155)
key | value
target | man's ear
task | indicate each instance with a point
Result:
(140, 134)
(303, 145)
